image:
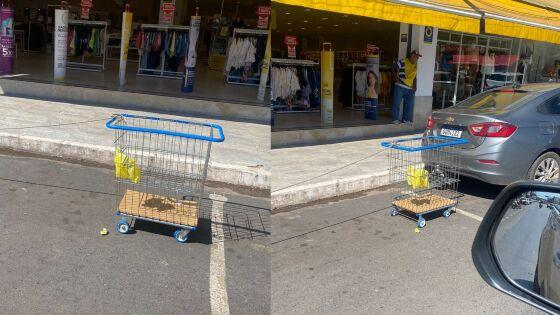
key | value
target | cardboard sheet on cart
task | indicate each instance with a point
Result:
(424, 203)
(159, 208)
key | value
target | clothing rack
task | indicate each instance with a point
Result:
(249, 31)
(356, 106)
(285, 109)
(293, 62)
(83, 65)
(235, 79)
(112, 39)
(161, 73)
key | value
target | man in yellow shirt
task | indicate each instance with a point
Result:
(404, 72)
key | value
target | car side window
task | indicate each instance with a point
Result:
(551, 106)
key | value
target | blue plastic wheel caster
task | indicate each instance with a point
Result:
(421, 222)
(446, 213)
(394, 212)
(122, 226)
(181, 236)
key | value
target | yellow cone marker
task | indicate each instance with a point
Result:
(104, 231)
(416, 230)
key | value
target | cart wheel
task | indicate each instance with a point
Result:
(122, 226)
(421, 222)
(181, 236)
(394, 212)
(446, 213)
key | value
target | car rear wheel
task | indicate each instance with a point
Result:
(546, 168)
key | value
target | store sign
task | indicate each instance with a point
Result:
(327, 86)
(125, 40)
(428, 34)
(86, 8)
(372, 49)
(264, 15)
(60, 44)
(167, 13)
(7, 43)
(291, 42)
(190, 58)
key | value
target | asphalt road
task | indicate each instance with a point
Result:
(54, 260)
(351, 256)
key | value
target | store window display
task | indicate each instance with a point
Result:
(157, 50)
(356, 91)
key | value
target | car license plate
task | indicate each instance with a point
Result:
(451, 133)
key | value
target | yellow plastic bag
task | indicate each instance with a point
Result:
(126, 168)
(417, 177)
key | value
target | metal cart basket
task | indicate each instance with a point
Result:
(160, 170)
(424, 175)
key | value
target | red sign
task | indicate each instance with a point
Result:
(264, 14)
(86, 7)
(291, 42)
(167, 13)
(168, 8)
(372, 49)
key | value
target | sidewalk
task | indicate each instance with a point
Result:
(306, 174)
(243, 159)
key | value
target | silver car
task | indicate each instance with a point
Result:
(513, 133)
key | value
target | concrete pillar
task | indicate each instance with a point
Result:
(403, 45)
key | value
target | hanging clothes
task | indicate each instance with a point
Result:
(155, 44)
(295, 88)
(85, 39)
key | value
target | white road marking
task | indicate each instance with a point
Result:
(468, 214)
(219, 303)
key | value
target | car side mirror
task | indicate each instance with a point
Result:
(517, 246)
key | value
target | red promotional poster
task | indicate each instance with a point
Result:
(168, 10)
(372, 49)
(291, 42)
(264, 14)
(86, 7)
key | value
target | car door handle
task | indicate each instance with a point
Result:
(546, 128)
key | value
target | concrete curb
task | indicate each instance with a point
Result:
(217, 172)
(335, 188)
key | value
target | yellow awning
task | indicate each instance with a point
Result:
(516, 19)
(453, 15)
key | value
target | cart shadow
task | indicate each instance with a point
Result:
(474, 187)
(202, 235)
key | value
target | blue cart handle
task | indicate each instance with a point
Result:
(449, 142)
(220, 138)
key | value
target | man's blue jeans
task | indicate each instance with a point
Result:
(401, 94)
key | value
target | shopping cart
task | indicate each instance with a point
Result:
(160, 170)
(424, 175)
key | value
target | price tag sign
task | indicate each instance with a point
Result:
(264, 15)
(291, 42)
(168, 13)
(86, 8)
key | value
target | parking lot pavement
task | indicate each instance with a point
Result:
(351, 256)
(54, 260)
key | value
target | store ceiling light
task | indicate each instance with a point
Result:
(288, 13)
(303, 28)
(345, 15)
(305, 21)
(355, 23)
(289, 23)
(324, 18)
(336, 25)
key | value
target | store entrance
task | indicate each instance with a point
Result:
(154, 65)
(349, 35)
